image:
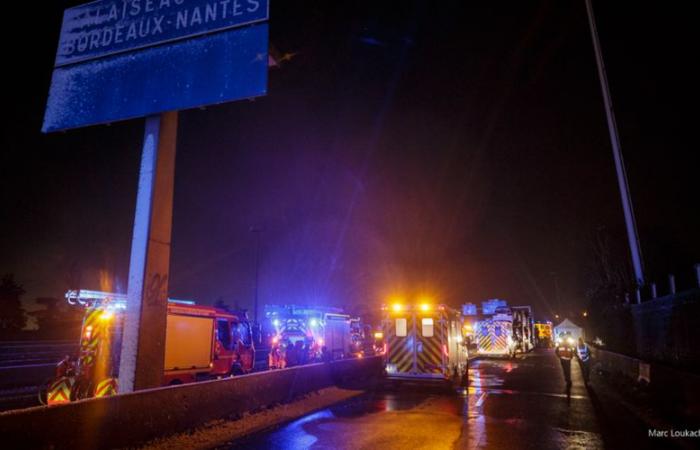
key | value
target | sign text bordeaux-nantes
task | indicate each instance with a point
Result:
(125, 59)
(107, 27)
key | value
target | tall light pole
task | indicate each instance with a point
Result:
(557, 300)
(632, 236)
(257, 232)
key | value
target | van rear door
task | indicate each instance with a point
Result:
(337, 336)
(429, 339)
(401, 348)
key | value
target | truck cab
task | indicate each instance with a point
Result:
(203, 342)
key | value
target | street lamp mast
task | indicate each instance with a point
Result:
(557, 300)
(632, 236)
(257, 232)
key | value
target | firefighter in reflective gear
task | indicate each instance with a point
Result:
(584, 359)
(565, 351)
(276, 358)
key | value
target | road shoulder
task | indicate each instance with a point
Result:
(220, 432)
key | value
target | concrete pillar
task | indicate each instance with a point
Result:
(697, 274)
(672, 284)
(638, 295)
(653, 290)
(143, 344)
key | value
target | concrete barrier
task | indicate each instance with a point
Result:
(129, 419)
(678, 390)
(616, 363)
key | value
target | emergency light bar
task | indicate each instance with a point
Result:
(181, 302)
(118, 301)
(284, 310)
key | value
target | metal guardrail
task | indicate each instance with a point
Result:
(32, 352)
(28, 364)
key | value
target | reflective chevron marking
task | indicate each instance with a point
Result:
(401, 353)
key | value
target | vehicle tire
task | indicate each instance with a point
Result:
(236, 370)
(81, 390)
(43, 393)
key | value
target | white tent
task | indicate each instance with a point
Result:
(569, 327)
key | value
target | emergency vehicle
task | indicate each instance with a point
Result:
(523, 330)
(316, 327)
(423, 342)
(495, 334)
(544, 333)
(201, 342)
(357, 338)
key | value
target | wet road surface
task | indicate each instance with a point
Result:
(511, 404)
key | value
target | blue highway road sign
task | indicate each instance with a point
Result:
(150, 56)
(107, 27)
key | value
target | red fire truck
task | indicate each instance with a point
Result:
(201, 343)
(316, 328)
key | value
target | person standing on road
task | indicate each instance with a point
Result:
(565, 352)
(584, 359)
(275, 358)
(302, 358)
(326, 355)
(291, 358)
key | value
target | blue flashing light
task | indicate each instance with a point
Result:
(181, 302)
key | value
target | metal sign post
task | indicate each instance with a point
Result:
(143, 345)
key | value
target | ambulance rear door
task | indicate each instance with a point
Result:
(399, 332)
(431, 341)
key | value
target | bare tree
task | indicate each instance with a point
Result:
(609, 281)
(12, 317)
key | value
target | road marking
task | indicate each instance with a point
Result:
(551, 394)
(486, 390)
(481, 400)
(28, 365)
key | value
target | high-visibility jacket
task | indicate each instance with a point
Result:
(583, 352)
(565, 352)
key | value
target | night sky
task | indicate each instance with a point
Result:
(409, 148)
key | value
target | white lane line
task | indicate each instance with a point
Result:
(481, 400)
(27, 366)
(546, 394)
